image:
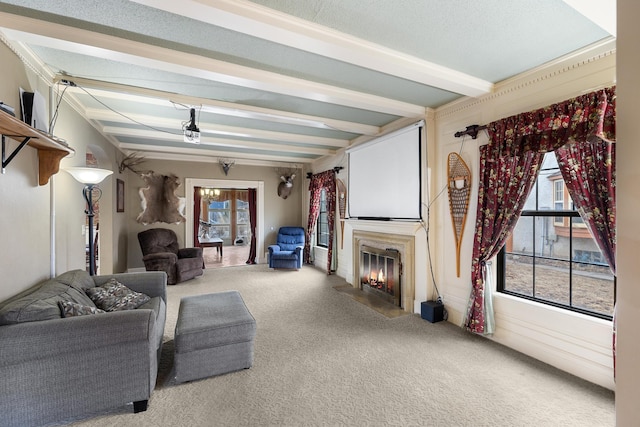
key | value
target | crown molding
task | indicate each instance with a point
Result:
(28, 58)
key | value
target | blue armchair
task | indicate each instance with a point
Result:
(288, 250)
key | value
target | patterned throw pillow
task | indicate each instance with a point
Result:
(114, 296)
(71, 309)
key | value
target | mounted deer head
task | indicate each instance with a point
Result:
(226, 165)
(284, 188)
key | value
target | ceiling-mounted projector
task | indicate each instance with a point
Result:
(191, 130)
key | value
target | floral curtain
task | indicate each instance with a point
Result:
(505, 184)
(324, 180)
(589, 172)
(513, 155)
(197, 206)
(251, 194)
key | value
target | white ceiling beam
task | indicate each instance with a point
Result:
(217, 142)
(173, 151)
(136, 94)
(84, 42)
(210, 128)
(198, 157)
(268, 24)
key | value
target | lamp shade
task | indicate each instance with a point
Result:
(88, 175)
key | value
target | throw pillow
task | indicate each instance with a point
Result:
(71, 309)
(114, 296)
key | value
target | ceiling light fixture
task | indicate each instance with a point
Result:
(191, 130)
(209, 194)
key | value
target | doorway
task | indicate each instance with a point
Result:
(230, 251)
(224, 228)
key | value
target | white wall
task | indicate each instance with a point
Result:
(573, 342)
(628, 206)
(70, 204)
(343, 248)
(30, 211)
(24, 206)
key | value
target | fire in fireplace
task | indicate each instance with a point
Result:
(380, 273)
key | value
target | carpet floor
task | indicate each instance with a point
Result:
(322, 358)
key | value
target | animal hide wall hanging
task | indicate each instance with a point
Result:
(159, 201)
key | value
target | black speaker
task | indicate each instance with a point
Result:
(432, 311)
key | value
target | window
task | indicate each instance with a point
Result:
(551, 257)
(220, 217)
(558, 199)
(322, 229)
(229, 216)
(242, 215)
(562, 201)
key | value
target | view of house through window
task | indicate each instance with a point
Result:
(228, 216)
(551, 257)
(322, 227)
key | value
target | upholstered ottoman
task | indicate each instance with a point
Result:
(214, 335)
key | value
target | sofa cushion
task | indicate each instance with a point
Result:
(79, 279)
(40, 302)
(71, 309)
(113, 296)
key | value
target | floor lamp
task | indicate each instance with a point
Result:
(90, 177)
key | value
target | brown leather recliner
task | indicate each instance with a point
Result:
(161, 253)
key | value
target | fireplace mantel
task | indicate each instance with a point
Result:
(409, 228)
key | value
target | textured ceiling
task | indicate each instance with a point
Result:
(280, 81)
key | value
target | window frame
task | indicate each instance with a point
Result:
(570, 222)
(225, 212)
(239, 211)
(559, 199)
(501, 266)
(323, 219)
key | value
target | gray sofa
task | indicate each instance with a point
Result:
(55, 368)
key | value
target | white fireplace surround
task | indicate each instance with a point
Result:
(398, 236)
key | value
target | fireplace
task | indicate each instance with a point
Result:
(398, 275)
(380, 273)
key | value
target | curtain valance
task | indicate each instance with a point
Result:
(322, 180)
(582, 118)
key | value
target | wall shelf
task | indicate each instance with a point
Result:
(50, 149)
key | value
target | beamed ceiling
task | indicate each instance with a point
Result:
(285, 81)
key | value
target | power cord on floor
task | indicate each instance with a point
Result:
(439, 300)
